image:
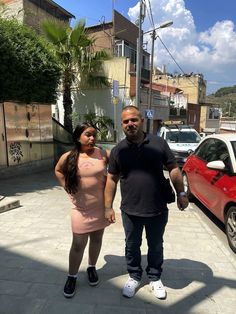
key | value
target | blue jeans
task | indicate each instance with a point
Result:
(154, 228)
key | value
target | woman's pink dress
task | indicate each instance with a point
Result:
(87, 214)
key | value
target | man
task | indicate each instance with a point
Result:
(138, 162)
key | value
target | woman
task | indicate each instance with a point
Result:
(82, 173)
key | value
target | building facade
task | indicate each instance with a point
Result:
(192, 85)
(33, 12)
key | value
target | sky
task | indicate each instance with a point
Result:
(202, 38)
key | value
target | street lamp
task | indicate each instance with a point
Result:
(153, 35)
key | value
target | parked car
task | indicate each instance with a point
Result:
(210, 175)
(182, 140)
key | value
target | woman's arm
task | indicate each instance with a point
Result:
(59, 169)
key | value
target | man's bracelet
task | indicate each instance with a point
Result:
(110, 208)
(181, 194)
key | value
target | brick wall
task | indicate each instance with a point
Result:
(103, 36)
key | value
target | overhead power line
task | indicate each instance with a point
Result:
(150, 15)
(174, 60)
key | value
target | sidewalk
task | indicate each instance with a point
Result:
(199, 273)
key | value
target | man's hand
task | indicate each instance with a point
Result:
(110, 215)
(182, 202)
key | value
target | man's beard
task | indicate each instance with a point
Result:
(131, 133)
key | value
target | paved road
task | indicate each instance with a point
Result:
(199, 273)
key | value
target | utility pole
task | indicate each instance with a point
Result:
(154, 36)
(139, 52)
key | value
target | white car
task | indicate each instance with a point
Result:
(182, 140)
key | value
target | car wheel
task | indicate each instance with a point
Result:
(230, 227)
(187, 188)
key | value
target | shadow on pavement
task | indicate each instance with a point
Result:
(35, 182)
(31, 286)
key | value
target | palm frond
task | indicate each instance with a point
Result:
(56, 32)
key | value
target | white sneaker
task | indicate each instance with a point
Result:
(158, 289)
(130, 287)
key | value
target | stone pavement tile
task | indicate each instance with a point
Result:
(7, 273)
(12, 287)
(86, 294)
(67, 307)
(227, 305)
(20, 305)
(48, 276)
(183, 303)
(45, 291)
(226, 267)
(14, 261)
(117, 310)
(222, 289)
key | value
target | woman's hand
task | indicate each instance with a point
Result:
(110, 215)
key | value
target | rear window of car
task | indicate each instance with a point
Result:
(182, 137)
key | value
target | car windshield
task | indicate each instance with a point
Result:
(182, 137)
(234, 148)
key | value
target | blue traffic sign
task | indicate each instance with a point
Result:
(149, 113)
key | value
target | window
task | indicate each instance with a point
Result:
(214, 113)
(205, 149)
(214, 149)
(234, 148)
(182, 137)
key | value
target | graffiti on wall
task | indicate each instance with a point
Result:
(15, 151)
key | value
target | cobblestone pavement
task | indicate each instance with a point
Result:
(199, 273)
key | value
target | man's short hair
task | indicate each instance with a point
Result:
(131, 107)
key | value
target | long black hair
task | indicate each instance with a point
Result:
(70, 166)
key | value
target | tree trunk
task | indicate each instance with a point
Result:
(67, 104)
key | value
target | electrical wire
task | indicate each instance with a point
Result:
(150, 16)
(175, 60)
(149, 12)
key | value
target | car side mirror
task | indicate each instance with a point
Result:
(216, 165)
(189, 152)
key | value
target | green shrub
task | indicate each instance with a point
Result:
(28, 69)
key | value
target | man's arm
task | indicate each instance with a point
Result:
(109, 194)
(177, 180)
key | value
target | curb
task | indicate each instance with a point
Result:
(8, 203)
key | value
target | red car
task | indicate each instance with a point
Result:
(210, 175)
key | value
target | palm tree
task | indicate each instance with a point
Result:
(80, 65)
(101, 124)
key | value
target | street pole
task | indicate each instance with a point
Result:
(153, 34)
(150, 79)
(139, 53)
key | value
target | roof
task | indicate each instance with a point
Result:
(164, 88)
(224, 136)
(178, 127)
(99, 26)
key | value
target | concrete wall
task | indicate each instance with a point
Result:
(26, 137)
(13, 8)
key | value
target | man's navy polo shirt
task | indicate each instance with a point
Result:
(140, 167)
